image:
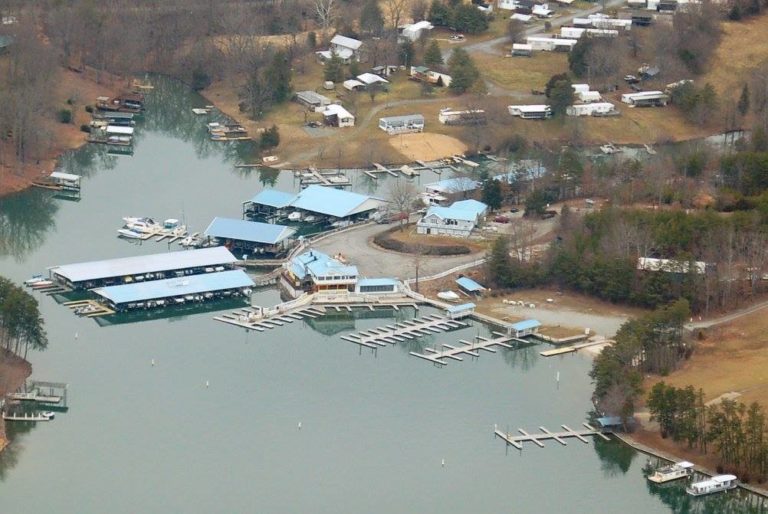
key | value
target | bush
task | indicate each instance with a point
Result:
(89, 108)
(200, 79)
(85, 128)
(270, 138)
(64, 116)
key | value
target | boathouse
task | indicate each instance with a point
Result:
(469, 286)
(460, 311)
(176, 291)
(267, 202)
(251, 236)
(125, 270)
(314, 271)
(524, 328)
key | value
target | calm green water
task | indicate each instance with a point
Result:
(375, 427)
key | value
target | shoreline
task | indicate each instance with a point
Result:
(14, 371)
(629, 440)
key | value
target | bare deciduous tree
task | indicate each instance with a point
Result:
(396, 9)
(326, 12)
(403, 195)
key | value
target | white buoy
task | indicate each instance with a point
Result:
(299, 425)
(76, 335)
(558, 377)
(153, 362)
(207, 383)
(442, 463)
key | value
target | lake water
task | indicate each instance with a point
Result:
(375, 428)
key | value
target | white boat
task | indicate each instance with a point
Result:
(33, 397)
(294, 216)
(41, 284)
(132, 219)
(683, 469)
(34, 279)
(713, 485)
(199, 111)
(310, 218)
(448, 296)
(143, 226)
(28, 416)
(128, 234)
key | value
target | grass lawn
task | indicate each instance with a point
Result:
(521, 73)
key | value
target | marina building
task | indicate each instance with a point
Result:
(333, 205)
(127, 270)
(525, 328)
(315, 271)
(251, 236)
(173, 291)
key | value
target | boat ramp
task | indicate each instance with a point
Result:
(518, 440)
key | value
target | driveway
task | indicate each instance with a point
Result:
(357, 246)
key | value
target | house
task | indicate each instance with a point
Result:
(531, 112)
(424, 74)
(458, 220)
(414, 31)
(468, 117)
(542, 11)
(516, 5)
(370, 79)
(313, 101)
(647, 72)
(402, 124)
(345, 48)
(591, 109)
(469, 286)
(337, 116)
(353, 85)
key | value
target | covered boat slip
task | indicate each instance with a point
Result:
(251, 236)
(87, 275)
(156, 293)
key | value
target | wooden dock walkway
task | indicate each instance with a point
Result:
(573, 348)
(402, 331)
(328, 178)
(468, 348)
(252, 319)
(518, 440)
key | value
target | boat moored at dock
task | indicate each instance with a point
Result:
(683, 469)
(28, 416)
(715, 484)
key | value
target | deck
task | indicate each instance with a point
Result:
(518, 440)
(391, 334)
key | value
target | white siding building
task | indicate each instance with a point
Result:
(458, 220)
(338, 116)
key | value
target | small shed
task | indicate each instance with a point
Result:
(525, 328)
(469, 286)
(460, 311)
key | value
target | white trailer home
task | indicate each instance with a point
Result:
(525, 18)
(402, 124)
(522, 50)
(588, 97)
(611, 23)
(580, 88)
(593, 109)
(468, 117)
(530, 112)
(337, 116)
(542, 11)
(572, 32)
(602, 33)
(551, 44)
(645, 99)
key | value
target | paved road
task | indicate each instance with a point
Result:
(728, 317)
(372, 261)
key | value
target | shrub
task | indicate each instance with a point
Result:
(200, 79)
(85, 128)
(89, 108)
(64, 116)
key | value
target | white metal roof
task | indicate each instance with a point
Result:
(97, 270)
(346, 42)
(338, 110)
(370, 78)
(65, 176)
(119, 129)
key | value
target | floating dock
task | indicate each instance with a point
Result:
(332, 178)
(468, 348)
(391, 334)
(573, 348)
(253, 319)
(518, 440)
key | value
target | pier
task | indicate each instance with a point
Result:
(405, 330)
(518, 440)
(38, 394)
(332, 178)
(255, 318)
(573, 348)
(471, 348)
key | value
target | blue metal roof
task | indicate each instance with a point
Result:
(377, 282)
(96, 270)
(526, 324)
(450, 213)
(470, 285)
(171, 287)
(273, 198)
(478, 208)
(319, 264)
(461, 308)
(334, 202)
(453, 185)
(609, 421)
(251, 231)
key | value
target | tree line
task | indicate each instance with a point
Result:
(737, 433)
(21, 325)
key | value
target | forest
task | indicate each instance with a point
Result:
(21, 325)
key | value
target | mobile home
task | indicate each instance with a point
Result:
(530, 112)
(592, 109)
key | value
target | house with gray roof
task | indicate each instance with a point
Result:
(458, 220)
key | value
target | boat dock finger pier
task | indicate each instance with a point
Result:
(518, 440)
(399, 332)
(471, 348)
(254, 319)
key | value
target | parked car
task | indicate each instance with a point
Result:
(548, 214)
(457, 37)
(514, 210)
(501, 219)
(631, 79)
